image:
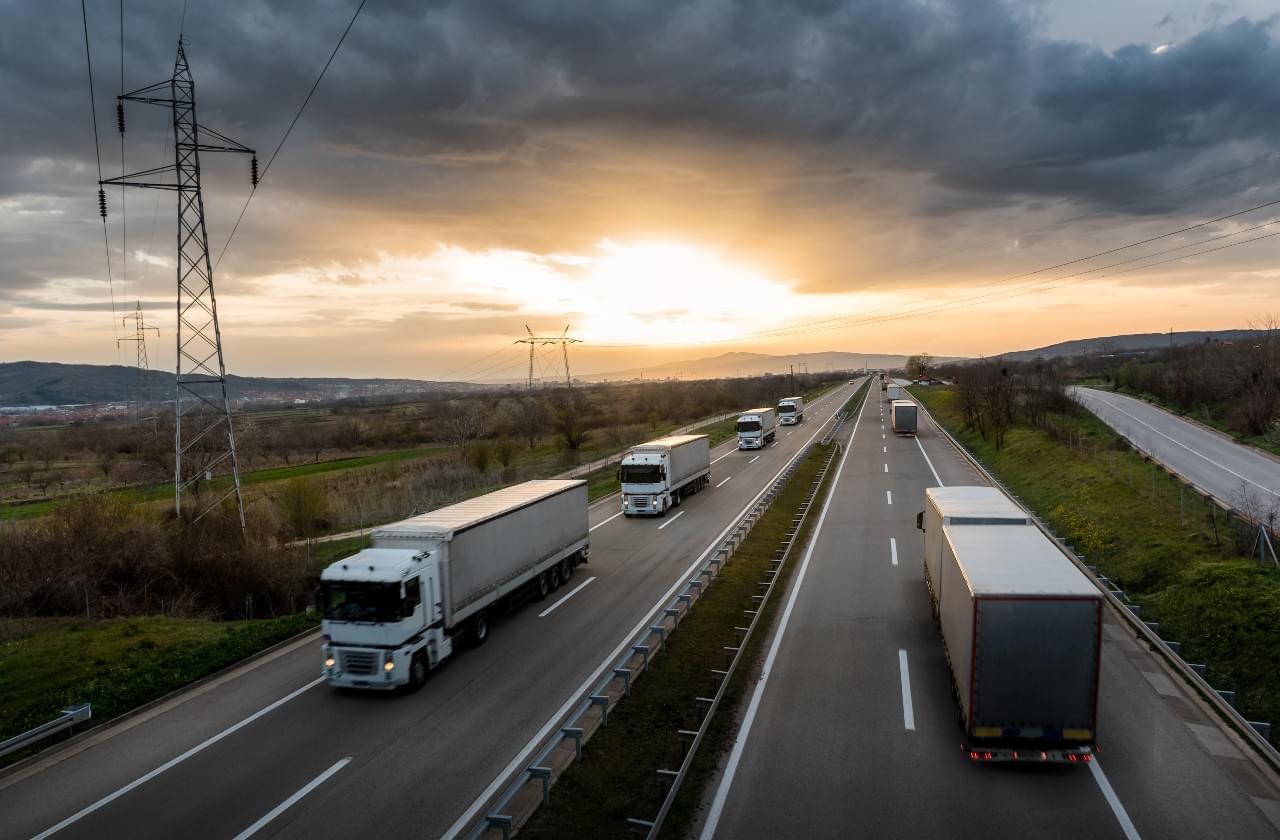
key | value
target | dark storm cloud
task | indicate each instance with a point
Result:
(504, 123)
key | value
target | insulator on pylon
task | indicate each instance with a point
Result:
(120, 116)
(253, 171)
(102, 202)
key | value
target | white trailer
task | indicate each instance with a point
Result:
(1022, 630)
(953, 507)
(394, 611)
(902, 417)
(757, 428)
(790, 411)
(656, 475)
(894, 391)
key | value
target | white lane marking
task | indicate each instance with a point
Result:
(173, 762)
(882, 436)
(888, 496)
(292, 800)
(886, 467)
(908, 714)
(1188, 448)
(725, 455)
(465, 820)
(1122, 816)
(788, 434)
(726, 481)
(930, 463)
(739, 743)
(606, 522)
(669, 521)
(572, 592)
(893, 550)
(886, 449)
(753, 460)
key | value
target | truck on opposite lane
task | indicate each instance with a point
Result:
(790, 411)
(1022, 631)
(393, 612)
(656, 475)
(757, 428)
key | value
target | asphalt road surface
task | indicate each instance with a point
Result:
(268, 750)
(1212, 461)
(852, 730)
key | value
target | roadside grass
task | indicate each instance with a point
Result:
(616, 778)
(1126, 517)
(719, 432)
(117, 665)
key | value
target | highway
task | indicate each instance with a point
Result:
(267, 750)
(851, 729)
(1208, 459)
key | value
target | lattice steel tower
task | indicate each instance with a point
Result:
(204, 439)
(140, 330)
(535, 341)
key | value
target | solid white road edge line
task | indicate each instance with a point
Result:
(173, 762)
(672, 519)
(893, 550)
(930, 463)
(1122, 816)
(739, 743)
(572, 592)
(292, 800)
(522, 756)
(723, 483)
(605, 522)
(908, 713)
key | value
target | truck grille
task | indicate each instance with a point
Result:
(359, 661)
(640, 503)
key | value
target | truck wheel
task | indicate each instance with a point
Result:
(417, 671)
(566, 570)
(541, 588)
(479, 631)
(553, 577)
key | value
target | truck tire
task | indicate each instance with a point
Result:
(478, 631)
(541, 587)
(553, 577)
(566, 569)
(418, 671)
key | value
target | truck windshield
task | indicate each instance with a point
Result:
(748, 426)
(786, 408)
(346, 600)
(641, 473)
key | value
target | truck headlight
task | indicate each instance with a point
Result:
(388, 665)
(329, 661)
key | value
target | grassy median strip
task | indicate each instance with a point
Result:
(617, 776)
(1186, 569)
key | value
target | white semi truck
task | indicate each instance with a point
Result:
(393, 612)
(757, 428)
(1022, 632)
(947, 508)
(656, 475)
(894, 391)
(902, 417)
(790, 411)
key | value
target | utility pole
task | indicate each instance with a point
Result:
(204, 440)
(793, 378)
(140, 329)
(535, 341)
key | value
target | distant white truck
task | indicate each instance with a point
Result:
(656, 475)
(757, 428)
(894, 391)
(903, 417)
(393, 612)
(790, 411)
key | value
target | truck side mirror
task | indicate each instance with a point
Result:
(920, 520)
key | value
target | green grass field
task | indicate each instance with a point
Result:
(1127, 518)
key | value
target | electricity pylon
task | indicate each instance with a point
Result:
(139, 338)
(204, 439)
(535, 341)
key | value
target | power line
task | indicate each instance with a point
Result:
(124, 217)
(287, 132)
(97, 153)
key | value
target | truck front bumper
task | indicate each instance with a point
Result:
(355, 667)
(643, 505)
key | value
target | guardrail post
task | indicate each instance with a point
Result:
(502, 822)
(1262, 728)
(1228, 696)
(625, 673)
(602, 700)
(686, 737)
(543, 773)
(643, 650)
(636, 826)
(673, 613)
(575, 733)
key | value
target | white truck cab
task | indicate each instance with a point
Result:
(790, 411)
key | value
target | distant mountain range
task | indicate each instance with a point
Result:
(756, 364)
(1128, 343)
(52, 383)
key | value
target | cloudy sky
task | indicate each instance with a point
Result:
(672, 179)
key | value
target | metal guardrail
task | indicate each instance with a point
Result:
(592, 710)
(70, 717)
(1193, 673)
